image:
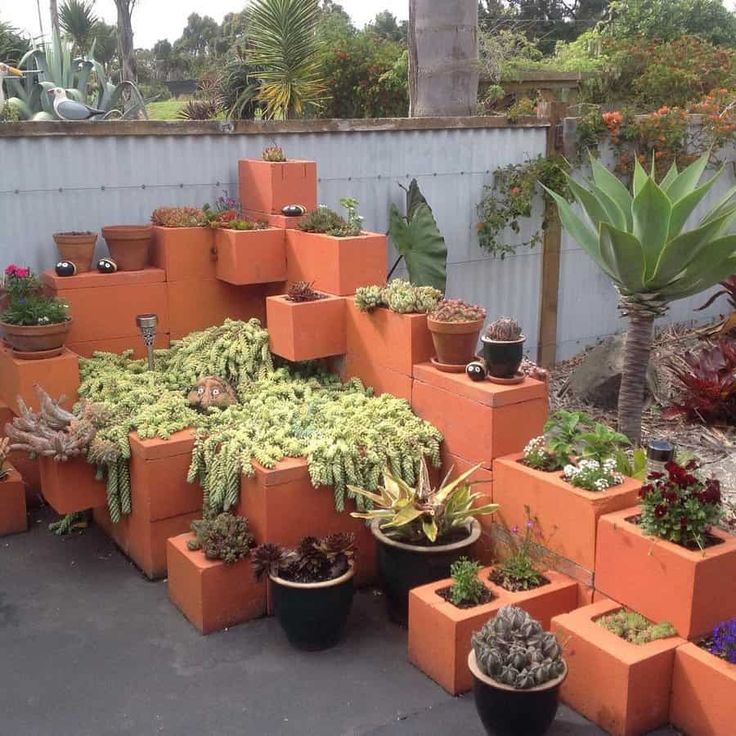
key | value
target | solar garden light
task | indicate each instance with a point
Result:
(659, 453)
(147, 325)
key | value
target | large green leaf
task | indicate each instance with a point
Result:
(652, 212)
(595, 211)
(421, 244)
(688, 179)
(626, 256)
(669, 177)
(683, 208)
(613, 187)
(724, 204)
(711, 265)
(414, 198)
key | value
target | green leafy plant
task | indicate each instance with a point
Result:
(504, 329)
(353, 219)
(274, 154)
(423, 514)
(456, 310)
(302, 291)
(36, 310)
(513, 649)
(679, 506)
(418, 240)
(327, 221)
(223, 537)
(178, 217)
(639, 241)
(601, 443)
(518, 566)
(634, 628)
(467, 588)
(312, 561)
(398, 296)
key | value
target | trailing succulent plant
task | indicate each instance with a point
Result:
(274, 154)
(4, 452)
(513, 649)
(179, 217)
(69, 524)
(302, 291)
(223, 537)
(398, 296)
(313, 561)
(456, 310)
(503, 329)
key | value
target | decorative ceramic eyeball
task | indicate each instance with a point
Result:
(476, 371)
(107, 265)
(65, 268)
(293, 210)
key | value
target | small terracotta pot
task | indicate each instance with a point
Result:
(455, 342)
(129, 245)
(79, 248)
(34, 338)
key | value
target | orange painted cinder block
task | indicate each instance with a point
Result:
(71, 486)
(27, 467)
(381, 380)
(118, 344)
(104, 306)
(703, 688)
(663, 581)
(336, 265)
(307, 330)
(250, 256)
(158, 477)
(479, 431)
(13, 517)
(567, 517)
(58, 376)
(388, 339)
(440, 633)
(197, 305)
(184, 253)
(623, 687)
(283, 506)
(285, 223)
(211, 594)
(267, 186)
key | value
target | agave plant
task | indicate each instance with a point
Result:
(414, 514)
(640, 241)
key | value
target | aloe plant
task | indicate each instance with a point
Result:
(640, 241)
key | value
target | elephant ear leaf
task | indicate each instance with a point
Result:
(420, 242)
(414, 198)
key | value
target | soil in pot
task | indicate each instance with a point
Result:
(129, 245)
(455, 342)
(506, 711)
(313, 615)
(446, 594)
(77, 247)
(404, 566)
(514, 585)
(503, 358)
(36, 338)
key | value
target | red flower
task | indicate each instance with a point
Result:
(660, 510)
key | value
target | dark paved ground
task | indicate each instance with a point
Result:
(89, 647)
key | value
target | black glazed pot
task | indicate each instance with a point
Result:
(503, 358)
(506, 711)
(313, 615)
(402, 566)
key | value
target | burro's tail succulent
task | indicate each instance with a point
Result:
(515, 650)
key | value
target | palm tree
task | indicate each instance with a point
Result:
(639, 240)
(126, 48)
(78, 21)
(284, 51)
(443, 57)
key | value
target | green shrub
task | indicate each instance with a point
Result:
(223, 537)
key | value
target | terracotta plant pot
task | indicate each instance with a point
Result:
(129, 245)
(503, 358)
(79, 248)
(34, 338)
(313, 615)
(506, 711)
(455, 342)
(403, 566)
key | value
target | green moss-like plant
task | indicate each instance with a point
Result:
(634, 628)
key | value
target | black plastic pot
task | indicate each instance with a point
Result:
(313, 615)
(503, 358)
(506, 711)
(402, 566)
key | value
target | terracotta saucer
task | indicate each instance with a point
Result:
(450, 367)
(518, 378)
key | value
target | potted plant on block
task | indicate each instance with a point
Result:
(129, 245)
(420, 531)
(503, 348)
(77, 247)
(34, 325)
(517, 672)
(249, 252)
(311, 587)
(455, 326)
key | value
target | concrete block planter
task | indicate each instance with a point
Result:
(12, 503)
(250, 256)
(71, 486)
(623, 687)
(692, 589)
(211, 594)
(184, 253)
(439, 632)
(267, 186)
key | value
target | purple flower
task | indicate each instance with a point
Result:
(530, 523)
(514, 529)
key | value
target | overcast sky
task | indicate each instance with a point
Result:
(156, 19)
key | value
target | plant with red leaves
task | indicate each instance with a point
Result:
(728, 290)
(708, 382)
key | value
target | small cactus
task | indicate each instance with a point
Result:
(274, 154)
(504, 329)
(513, 649)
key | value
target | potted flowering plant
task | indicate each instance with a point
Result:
(455, 326)
(32, 323)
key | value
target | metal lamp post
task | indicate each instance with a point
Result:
(147, 325)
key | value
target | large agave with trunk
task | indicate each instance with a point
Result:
(513, 649)
(640, 240)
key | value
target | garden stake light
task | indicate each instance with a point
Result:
(147, 325)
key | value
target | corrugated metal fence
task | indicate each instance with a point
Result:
(78, 181)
